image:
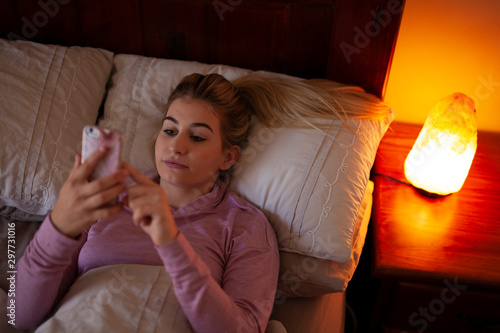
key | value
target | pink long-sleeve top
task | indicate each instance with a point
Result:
(223, 264)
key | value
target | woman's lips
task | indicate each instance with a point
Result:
(174, 164)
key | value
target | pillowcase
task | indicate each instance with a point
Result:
(310, 184)
(48, 94)
(305, 276)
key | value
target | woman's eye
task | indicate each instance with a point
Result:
(197, 138)
(169, 132)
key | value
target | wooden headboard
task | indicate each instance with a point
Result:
(349, 41)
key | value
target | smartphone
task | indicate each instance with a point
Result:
(93, 138)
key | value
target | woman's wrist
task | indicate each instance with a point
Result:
(63, 229)
(167, 238)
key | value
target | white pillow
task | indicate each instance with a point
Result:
(306, 276)
(310, 184)
(48, 94)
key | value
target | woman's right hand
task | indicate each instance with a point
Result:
(81, 202)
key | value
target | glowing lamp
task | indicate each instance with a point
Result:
(442, 155)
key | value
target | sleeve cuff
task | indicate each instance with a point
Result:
(177, 255)
(55, 243)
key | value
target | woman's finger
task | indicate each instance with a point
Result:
(78, 161)
(139, 191)
(105, 197)
(101, 184)
(142, 215)
(136, 175)
(85, 168)
(106, 211)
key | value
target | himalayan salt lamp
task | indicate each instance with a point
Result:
(443, 152)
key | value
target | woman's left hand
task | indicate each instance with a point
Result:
(150, 208)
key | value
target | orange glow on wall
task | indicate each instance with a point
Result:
(443, 47)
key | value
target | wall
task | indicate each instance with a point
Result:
(443, 47)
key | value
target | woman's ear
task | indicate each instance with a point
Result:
(231, 155)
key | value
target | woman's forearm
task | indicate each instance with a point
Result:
(44, 273)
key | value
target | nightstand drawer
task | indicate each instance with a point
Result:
(451, 307)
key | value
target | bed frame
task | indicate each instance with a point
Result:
(349, 41)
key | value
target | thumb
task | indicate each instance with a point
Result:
(78, 160)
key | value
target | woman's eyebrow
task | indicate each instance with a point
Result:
(171, 119)
(192, 125)
(202, 125)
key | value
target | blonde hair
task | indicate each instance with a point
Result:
(277, 101)
(280, 100)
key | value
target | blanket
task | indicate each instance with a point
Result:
(123, 298)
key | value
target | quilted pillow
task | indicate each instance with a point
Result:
(306, 276)
(48, 94)
(309, 183)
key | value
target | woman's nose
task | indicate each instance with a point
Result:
(178, 145)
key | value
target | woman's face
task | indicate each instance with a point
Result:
(188, 150)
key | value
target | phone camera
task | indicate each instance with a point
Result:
(92, 132)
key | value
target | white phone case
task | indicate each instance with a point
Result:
(93, 138)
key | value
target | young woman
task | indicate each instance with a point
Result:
(218, 249)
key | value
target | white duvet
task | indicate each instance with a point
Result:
(121, 298)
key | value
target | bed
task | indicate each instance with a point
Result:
(113, 63)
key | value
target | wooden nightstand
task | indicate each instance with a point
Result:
(438, 259)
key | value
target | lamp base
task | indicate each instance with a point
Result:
(430, 194)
